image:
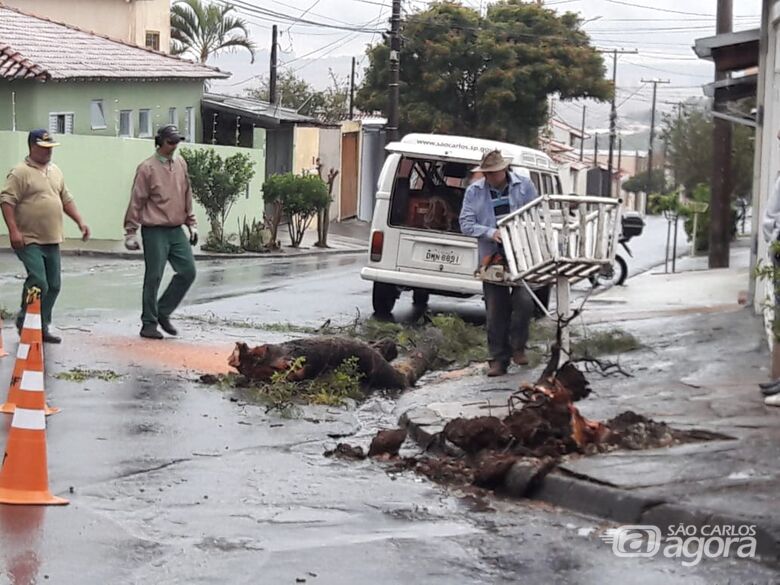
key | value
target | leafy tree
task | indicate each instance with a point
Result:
(330, 104)
(203, 30)
(689, 139)
(645, 183)
(485, 76)
(301, 198)
(216, 184)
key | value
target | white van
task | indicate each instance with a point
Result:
(416, 243)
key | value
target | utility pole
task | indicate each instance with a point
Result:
(613, 111)
(650, 148)
(620, 162)
(596, 149)
(352, 91)
(274, 65)
(720, 195)
(582, 138)
(395, 72)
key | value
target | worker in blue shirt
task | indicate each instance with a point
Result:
(509, 309)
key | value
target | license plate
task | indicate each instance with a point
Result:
(441, 257)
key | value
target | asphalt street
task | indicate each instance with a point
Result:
(172, 482)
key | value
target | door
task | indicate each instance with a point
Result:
(349, 175)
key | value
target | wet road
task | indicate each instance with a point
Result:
(171, 482)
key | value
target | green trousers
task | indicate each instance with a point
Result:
(43, 271)
(162, 245)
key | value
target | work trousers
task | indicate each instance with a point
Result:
(509, 312)
(42, 263)
(163, 245)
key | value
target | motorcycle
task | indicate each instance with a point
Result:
(615, 274)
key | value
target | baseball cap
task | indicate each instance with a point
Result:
(41, 137)
(169, 132)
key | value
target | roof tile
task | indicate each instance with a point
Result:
(35, 47)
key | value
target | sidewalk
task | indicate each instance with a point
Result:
(702, 357)
(349, 237)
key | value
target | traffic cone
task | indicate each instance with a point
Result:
(31, 334)
(3, 353)
(24, 476)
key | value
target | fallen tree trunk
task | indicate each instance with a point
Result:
(320, 355)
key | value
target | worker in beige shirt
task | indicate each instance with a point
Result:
(33, 200)
(161, 203)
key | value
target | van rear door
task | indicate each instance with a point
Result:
(425, 207)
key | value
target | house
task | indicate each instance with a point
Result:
(146, 23)
(294, 143)
(748, 62)
(628, 164)
(77, 82)
(563, 143)
(362, 158)
(231, 120)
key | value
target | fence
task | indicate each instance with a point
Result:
(99, 172)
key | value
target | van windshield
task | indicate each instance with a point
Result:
(428, 194)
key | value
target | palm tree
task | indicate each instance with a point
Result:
(203, 30)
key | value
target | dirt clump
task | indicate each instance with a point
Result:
(346, 451)
(387, 443)
(475, 434)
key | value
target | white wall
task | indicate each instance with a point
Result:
(330, 157)
(768, 150)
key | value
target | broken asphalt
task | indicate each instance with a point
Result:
(701, 359)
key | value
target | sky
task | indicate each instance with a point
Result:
(662, 31)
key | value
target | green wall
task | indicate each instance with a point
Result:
(35, 100)
(99, 172)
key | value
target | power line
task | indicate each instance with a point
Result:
(304, 13)
(274, 16)
(667, 10)
(704, 19)
(641, 87)
(686, 74)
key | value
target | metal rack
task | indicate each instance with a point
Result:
(560, 239)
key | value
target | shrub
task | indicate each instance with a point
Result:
(701, 194)
(216, 184)
(300, 198)
(255, 237)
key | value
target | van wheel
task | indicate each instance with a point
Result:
(420, 298)
(383, 298)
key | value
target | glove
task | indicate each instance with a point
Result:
(193, 235)
(131, 242)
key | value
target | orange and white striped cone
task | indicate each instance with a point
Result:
(3, 353)
(32, 333)
(24, 475)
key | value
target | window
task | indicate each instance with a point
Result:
(428, 194)
(189, 123)
(126, 123)
(547, 181)
(61, 123)
(173, 116)
(537, 181)
(144, 123)
(152, 40)
(97, 115)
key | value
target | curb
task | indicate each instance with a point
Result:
(566, 490)
(209, 256)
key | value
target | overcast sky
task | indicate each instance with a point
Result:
(658, 29)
